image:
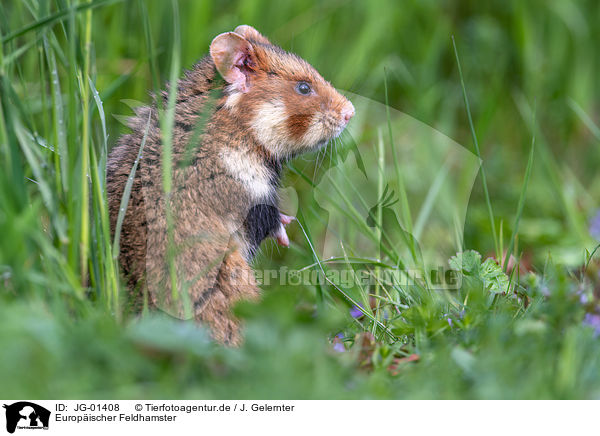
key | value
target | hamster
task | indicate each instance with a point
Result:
(270, 106)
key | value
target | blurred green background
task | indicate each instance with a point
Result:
(533, 339)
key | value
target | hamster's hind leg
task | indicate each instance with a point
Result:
(235, 281)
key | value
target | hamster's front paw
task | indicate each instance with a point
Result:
(286, 219)
(280, 235)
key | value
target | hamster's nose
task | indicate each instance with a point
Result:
(347, 112)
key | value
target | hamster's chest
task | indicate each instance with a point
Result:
(259, 180)
(256, 178)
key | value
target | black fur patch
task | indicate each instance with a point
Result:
(262, 221)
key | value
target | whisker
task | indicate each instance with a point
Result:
(316, 165)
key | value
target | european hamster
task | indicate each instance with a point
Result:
(270, 106)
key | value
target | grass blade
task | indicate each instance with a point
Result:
(341, 291)
(406, 215)
(127, 194)
(56, 17)
(477, 151)
(521, 204)
(585, 118)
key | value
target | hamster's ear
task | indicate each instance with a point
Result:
(250, 32)
(233, 57)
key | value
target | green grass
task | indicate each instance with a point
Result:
(466, 71)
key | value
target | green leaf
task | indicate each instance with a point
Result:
(494, 279)
(468, 262)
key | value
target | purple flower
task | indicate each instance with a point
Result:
(582, 294)
(456, 315)
(595, 226)
(355, 312)
(592, 320)
(338, 345)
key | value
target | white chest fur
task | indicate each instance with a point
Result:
(251, 172)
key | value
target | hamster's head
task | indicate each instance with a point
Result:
(284, 102)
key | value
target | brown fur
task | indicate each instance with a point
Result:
(209, 202)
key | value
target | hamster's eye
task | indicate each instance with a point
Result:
(303, 88)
